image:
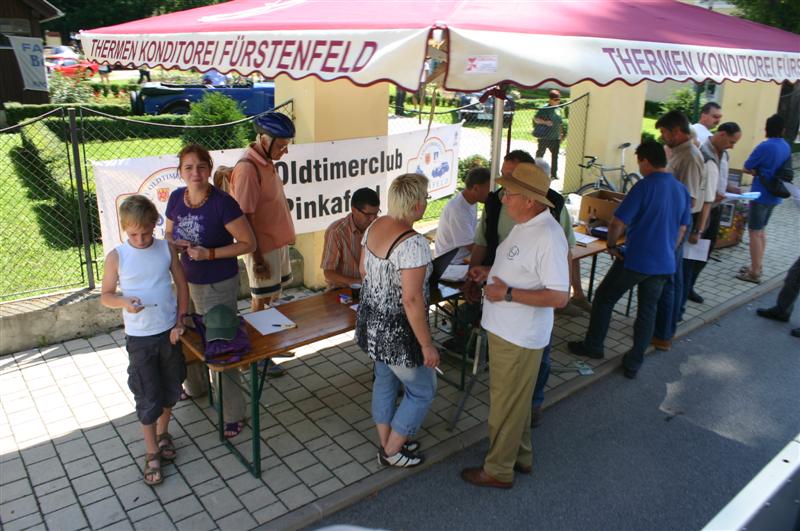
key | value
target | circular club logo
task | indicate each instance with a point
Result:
(157, 187)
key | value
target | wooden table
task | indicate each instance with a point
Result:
(591, 249)
(317, 317)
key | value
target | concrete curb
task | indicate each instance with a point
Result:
(328, 505)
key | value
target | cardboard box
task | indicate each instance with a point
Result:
(601, 203)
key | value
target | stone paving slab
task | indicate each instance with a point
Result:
(71, 451)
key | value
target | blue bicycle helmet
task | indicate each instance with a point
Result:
(274, 124)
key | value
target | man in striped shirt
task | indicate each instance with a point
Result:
(343, 240)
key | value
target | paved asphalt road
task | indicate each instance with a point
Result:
(666, 451)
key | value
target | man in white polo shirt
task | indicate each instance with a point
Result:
(460, 216)
(529, 277)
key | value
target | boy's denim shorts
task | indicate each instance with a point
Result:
(155, 371)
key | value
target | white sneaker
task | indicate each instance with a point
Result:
(402, 459)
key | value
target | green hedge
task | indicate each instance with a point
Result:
(113, 88)
(18, 112)
(102, 128)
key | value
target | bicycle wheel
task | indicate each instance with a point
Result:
(628, 182)
(591, 187)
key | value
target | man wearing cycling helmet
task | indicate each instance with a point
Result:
(259, 190)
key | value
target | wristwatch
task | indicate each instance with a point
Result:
(508, 294)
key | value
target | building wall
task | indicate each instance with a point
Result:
(11, 87)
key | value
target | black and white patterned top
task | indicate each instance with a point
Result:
(382, 329)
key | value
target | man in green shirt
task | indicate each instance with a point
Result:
(547, 129)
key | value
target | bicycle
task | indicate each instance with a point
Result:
(628, 179)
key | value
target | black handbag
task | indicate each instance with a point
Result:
(775, 185)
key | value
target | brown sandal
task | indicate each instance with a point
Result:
(166, 447)
(152, 474)
(748, 276)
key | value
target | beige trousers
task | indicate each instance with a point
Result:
(512, 374)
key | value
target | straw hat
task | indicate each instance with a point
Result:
(529, 180)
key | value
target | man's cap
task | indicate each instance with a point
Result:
(221, 322)
(529, 180)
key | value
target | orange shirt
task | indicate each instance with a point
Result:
(260, 193)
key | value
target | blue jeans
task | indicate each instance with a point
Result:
(419, 391)
(544, 374)
(669, 305)
(616, 283)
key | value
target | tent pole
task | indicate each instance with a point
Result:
(497, 138)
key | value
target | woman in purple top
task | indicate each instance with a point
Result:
(209, 229)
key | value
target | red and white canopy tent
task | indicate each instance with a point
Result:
(525, 42)
(486, 42)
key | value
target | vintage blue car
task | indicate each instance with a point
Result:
(167, 98)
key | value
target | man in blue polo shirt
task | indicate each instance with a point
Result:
(654, 214)
(763, 163)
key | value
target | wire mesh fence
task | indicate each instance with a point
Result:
(47, 161)
(40, 233)
(49, 222)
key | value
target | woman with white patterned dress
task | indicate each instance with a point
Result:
(392, 322)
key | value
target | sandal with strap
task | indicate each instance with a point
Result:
(232, 429)
(166, 447)
(152, 474)
(749, 277)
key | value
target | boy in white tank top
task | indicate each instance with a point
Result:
(144, 268)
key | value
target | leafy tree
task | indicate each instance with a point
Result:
(681, 100)
(170, 6)
(89, 14)
(213, 109)
(783, 14)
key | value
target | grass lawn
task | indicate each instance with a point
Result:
(38, 250)
(32, 229)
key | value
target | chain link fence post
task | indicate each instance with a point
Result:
(82, 215)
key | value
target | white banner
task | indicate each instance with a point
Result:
(319, 179)
(363, 56)
(480, 59)
(30, 58)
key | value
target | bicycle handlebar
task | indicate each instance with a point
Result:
(590, 163)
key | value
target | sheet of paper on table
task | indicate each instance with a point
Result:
(697, 251)
(584, 239)
(269, 321)
(744, 195)
(446, 291)
(455, 273)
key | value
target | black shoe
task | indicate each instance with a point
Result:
(795, 332)
(694, 297)
(579, 349)
(773, 313)
(629, 373)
